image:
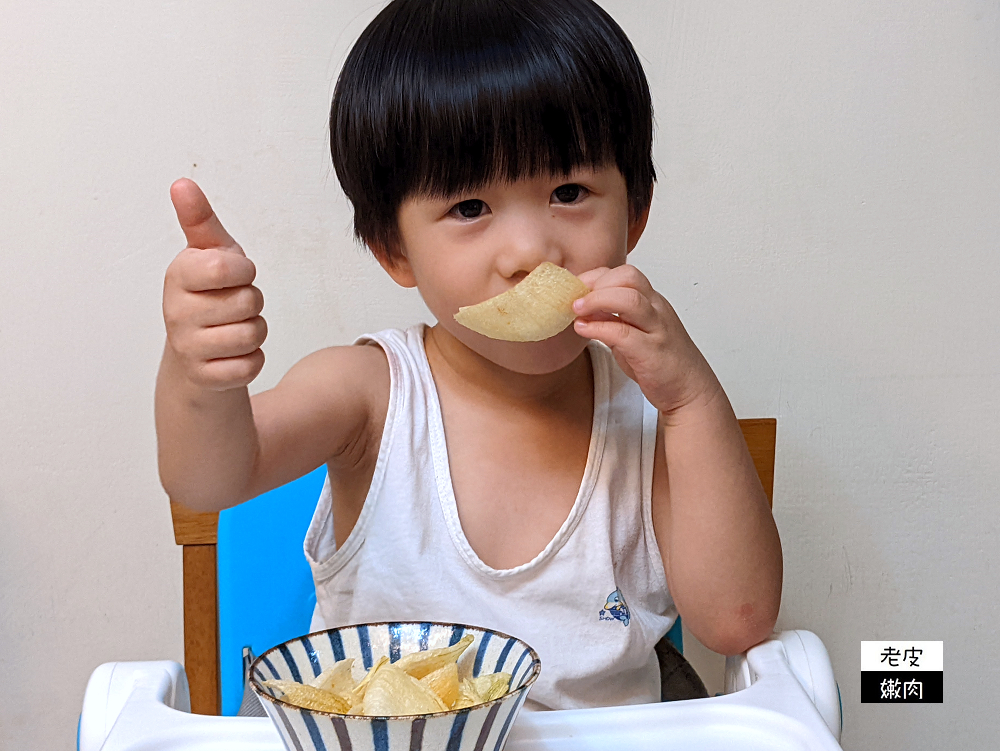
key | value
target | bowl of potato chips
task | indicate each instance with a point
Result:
(403, 686)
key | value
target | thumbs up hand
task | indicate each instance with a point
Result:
(210, 307)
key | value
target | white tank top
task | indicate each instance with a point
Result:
(593, 603)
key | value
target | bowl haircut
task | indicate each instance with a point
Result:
(439, 97)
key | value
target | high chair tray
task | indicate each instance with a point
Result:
(781, 700)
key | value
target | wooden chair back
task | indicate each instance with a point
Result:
(197, 534)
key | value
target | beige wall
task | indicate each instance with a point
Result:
(826, 223)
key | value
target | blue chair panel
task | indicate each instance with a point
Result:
(266, 592)
(676, 635)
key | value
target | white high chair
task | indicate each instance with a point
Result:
(781, 696)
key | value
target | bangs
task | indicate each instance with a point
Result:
(442, 96)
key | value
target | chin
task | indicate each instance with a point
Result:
(527, 358)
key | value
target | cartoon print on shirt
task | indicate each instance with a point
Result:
(615, 609)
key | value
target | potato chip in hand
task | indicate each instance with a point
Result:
(536, 308)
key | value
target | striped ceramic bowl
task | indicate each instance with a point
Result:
(483, 727)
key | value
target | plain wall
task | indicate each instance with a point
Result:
(825, 223)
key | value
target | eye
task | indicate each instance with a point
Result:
(569, 193)
(470, 209)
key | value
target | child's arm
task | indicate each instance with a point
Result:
(714, 528)
(217, 446)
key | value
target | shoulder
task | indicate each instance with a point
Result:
(348, 382)
(327, 408)
(344, 364)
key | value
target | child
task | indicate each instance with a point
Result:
(576, 492)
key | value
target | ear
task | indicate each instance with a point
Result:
(636, 227)
(396, 265)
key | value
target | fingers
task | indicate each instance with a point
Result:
(623, 292)
(615, 333)
(620, 276)
(210, 307)
(230, 372)
(221, 357)
(197, 270)
(228, 340)
(590, 277)
(201, 226)
(623, 310)
(212, 316)
(219, 307)
(626, 304)
(229, 306)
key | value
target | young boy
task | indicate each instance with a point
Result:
(575, 492)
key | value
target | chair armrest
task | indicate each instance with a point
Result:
(112, 683)
(810, 664)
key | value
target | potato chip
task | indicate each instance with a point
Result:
(358, 694)
(444, 683)
(492, 686)
(337, 679)
(393, 692)
(309, 697)
(468, 695)
(419, 664)
(536, 308)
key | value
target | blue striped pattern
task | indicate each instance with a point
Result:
(520, 660)
(288, 726)
(455, 739)
(394, 637)
(502, 659)
(311, 654)
(293, 666)
(366, 647)
(481, 728)
(380, 735)
(506, 725)
(270, 666)
(314, 733)
(337, 645)
(487, 726)
(481, 653)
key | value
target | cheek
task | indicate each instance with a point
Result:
(445, 287)
(605, 242)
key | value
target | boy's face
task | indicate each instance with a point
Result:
(466, 248)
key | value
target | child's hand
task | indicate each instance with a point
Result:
(647, 338)
(210, 308)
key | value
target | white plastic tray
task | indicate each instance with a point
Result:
(783, 698)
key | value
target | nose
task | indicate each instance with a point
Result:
(526, 241)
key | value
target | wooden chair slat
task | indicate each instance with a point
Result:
(192, 527)
(760, 435)
(201, 628)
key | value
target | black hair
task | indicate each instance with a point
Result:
(442, 96)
